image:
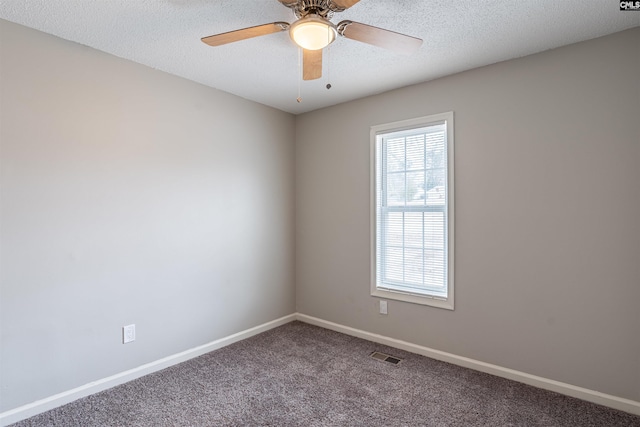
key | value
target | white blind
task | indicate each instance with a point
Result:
(411, 211)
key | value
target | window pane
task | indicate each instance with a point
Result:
(435, 150)
(415, 188)
(395, 189)
(413, 229)
(393, 229)
(434, 223)
(393, 265)
(434, 268)
(395, 154)
(435, 194)
(413, 266)
(415, 152)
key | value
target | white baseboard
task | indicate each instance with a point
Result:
(611, 401)
(39, 406)
(31, 409)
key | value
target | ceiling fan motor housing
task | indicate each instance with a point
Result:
(322, 8)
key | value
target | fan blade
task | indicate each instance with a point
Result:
(311, 64)
(340, 5)
(245, 33)
(378, 37)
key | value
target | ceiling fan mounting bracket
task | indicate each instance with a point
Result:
(302, 8)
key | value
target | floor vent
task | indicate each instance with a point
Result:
(385, 357)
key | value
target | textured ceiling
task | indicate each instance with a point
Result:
(458, 35)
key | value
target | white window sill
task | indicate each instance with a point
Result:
(414, 299)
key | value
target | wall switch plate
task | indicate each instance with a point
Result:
(383, 307)
(128, 333)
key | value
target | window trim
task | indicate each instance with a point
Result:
(434, 301)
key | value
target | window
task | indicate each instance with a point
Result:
(412, 210)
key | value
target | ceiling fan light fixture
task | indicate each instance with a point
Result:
(313, 32)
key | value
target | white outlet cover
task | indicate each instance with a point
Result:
(128, 333)
(383, 307)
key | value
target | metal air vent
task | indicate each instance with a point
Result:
(385, 357)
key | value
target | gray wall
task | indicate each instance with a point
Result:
(547, 215)
(131, 196)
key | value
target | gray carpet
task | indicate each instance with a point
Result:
(301, 375)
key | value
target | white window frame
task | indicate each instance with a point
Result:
(402, 295)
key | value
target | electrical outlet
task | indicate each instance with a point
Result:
(383, 307)
(128, 333)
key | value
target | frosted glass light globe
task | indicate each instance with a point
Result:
(312, 32)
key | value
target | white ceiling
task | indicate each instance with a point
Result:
(458, 35)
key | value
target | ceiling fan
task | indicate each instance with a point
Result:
(313, 31)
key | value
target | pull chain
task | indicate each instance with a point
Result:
(328, 67)
(328, 61)
(299, 98)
